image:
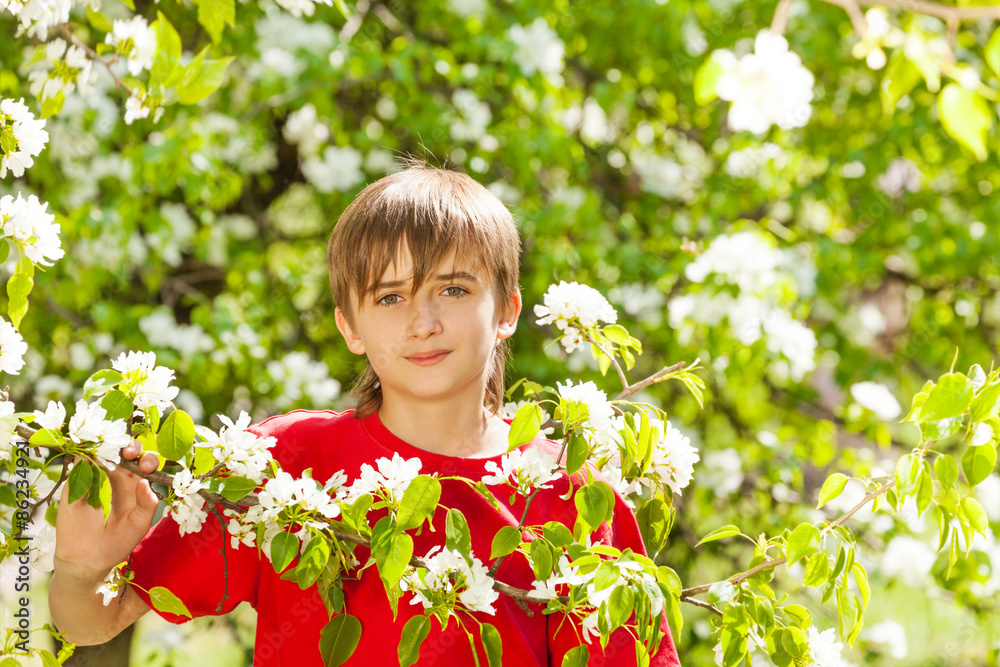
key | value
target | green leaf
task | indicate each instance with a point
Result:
(525, 425)
(214, 15)
(975, 514)
(392, 561)
(978, 463)
(419, 502)
(101, 382)
(18, 288)
(236, 488)
(456, 530)
(164, 600)
(414, 633)
(719, 534)
(966, 117)
(706, 80)
(46, 436)
(117, 405)
(338, 639)
(201, 78)
(803, 541)
(558, 534)
(492, 643)
(576, 657)
(313, 560)
(798, 615)
(98, 20)
(284, 548)
(832, 487)
(654, 521)
(948, 398)
(53, 105)
(817, 570)
(901, 76)
(80, 479)
(505, 541)
(946, 471)
(168, 52)
(861, 577)
(176, 436)
(986, 404)
(541, 559)
(620, 605)
(592, 505)
(577, 451)
(992, 52)
(907, 474)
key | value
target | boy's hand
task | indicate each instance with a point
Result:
(86, 548)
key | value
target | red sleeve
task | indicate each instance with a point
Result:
(193, 568)
(623, 533)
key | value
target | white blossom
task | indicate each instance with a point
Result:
(722, 472)
(88, 424)
(901, 176)
(572, 304)
(185, 485)
(339, 169)
(161, 329)
(284, 491)
(53, 418)
(304, 129)
(12, 349)
(29, 226)
(474, 116)
(300, 376)
(767, 87)
(28, 133)
(528, 469)
(746, 259)
(136, 107)
(908, 558)
(240, 530)
(242, 452)
(467, 8)
(43, 544)
(793, 339)
(537, 48)
(37, 16)
(110, 586)
(300, 8)
(824, 649)
(877, 398)
(135, 39)
(189, 514)
(70, 67)
(892, 634)
(448, 572)
(599, 408)
(394, 475)
(147, 383)
(7, 425)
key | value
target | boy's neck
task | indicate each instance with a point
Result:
(454, 428)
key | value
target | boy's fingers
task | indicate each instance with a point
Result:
(148, 463)
(132, 449)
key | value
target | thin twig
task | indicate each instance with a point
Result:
(704, 605)
(614, 362)
(659, 376)
(780, 20)
(93, 55)
(225, 560)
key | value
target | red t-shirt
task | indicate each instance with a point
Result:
(289, 619)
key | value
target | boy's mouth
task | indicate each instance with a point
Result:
(428, 358)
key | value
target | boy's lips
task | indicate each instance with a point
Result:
(428, 358)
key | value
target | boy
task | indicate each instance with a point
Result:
(424, 270)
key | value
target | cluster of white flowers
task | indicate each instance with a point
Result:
(8, 422)
(300, 8)
(136, 40)
(574, 308)
(37, 16)
(767, 87)
(901, 176)
(162, 330)
(749, 162)
(448, 572)
(284, 491)
(301, 376)
(537, 48)
(591, 121)
(339, 169)
(746, 259)
(876, 397)
(28, 225)
(12, 348)
(242, 452)
(600, 412)
(631, 574)
(147, 383)
(89, 424)
(304, 129)
(392, 477)
(139, 106)
(824, 649)
(892, 634)
(467, 8)
(69, 67)
(110, 586)
(188, 510)
(28, 134)
(524, 468)
(474, 116)
(678, 177)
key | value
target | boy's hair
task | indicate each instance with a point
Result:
(429, 212)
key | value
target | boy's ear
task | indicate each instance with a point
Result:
(354, 343)
(508, 316)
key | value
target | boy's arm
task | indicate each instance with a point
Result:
(87, 548)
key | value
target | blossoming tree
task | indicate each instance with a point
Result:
(805, 209)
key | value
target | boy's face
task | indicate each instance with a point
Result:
(437, 342)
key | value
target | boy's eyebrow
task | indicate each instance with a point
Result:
(460, 275)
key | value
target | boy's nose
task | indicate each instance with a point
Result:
(425, 321)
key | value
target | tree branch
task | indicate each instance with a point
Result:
(65, 31)
(950, 14)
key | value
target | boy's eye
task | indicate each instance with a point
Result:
(389, 299)
(454, 291)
